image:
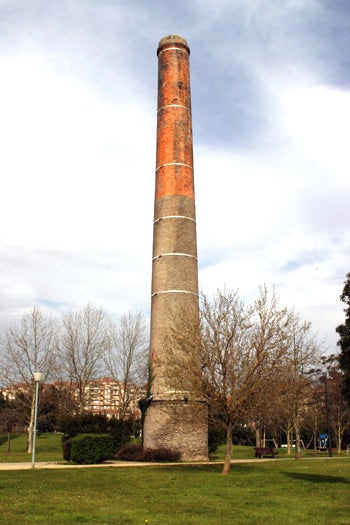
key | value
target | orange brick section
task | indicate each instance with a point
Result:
(174, 164)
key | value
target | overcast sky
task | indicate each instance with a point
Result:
(271, 118)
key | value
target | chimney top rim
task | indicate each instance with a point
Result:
(173, 41)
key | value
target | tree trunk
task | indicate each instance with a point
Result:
(315, 443)
(81, 395)
(289, 439)
(315, 427)
(257, 436)
(8, 450)
(297, 437)
(31, 426)
(340, 432)
(227, 462)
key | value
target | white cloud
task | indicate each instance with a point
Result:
(69, 165)
(317, 119)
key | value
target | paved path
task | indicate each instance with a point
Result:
(116, 464)
(129, 464)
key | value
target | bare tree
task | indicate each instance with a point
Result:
(226, 360)
(303, 353)
(250, 356)
(28, 348)
(254, 361)
(287, 388)
(269, 344)
(126, 359)
(240, 346)
(84, 342)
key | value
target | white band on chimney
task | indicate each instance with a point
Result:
(174, 164)
(174, 106)
(177, 254)
(174, 291)
(168, 48)
(174, 217)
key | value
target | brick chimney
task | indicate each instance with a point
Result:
(176, 417)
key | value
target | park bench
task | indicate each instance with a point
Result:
(260, 452)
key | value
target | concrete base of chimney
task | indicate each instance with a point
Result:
(179, 425)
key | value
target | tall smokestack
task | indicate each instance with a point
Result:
(176, 417)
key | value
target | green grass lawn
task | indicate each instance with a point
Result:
(48, 448)
(280, 491)
(309, 491)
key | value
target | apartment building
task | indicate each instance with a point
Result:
(102, 396)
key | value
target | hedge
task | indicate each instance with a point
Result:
(88, 449)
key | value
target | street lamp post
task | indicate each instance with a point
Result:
(37, 378)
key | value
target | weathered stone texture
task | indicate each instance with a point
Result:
(180, 426)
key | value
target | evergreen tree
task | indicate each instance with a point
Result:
(344, 339)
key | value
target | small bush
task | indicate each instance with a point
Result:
(162, 454)
(88, 449)
(216, 437)
(138, 453)
(131, 453)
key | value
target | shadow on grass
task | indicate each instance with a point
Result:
(315, 478)
(182, 467)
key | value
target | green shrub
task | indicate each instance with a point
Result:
(88, 449)
(216, 437)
